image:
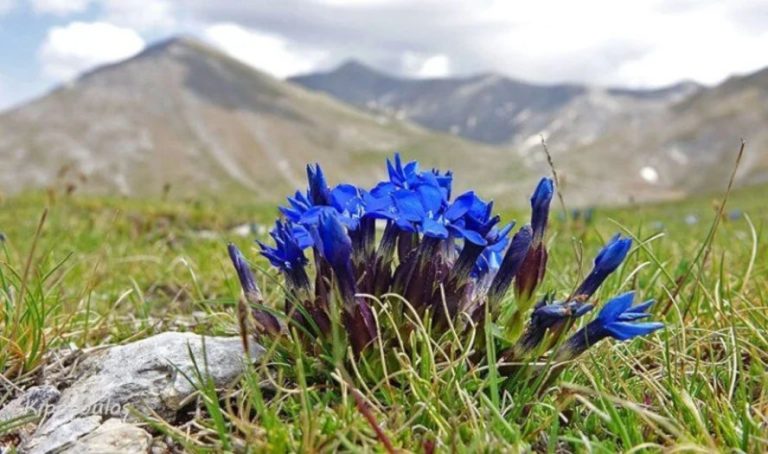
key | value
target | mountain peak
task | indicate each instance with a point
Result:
(179, 43)
(356, 68)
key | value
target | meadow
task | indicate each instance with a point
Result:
(80, 271)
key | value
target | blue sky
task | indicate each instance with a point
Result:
(643, 43)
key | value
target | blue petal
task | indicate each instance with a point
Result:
(332, 240)
(302, 236)
(615, 307)
(611, 256)
(409, 205)
(642, 307)
(469, 235)
(625, 331)
(431, 198)
(542, 196)
(433, 229)
(460, 206)
(383, 189)
(343, 194)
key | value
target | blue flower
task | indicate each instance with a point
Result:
(510, 264)
(318, 193)
(290, 241)
(608, 259)
(490, 259)
(332, 243)
(299, 204)
(540, 201)
(408, 176)
(266, 322)
(426, 210)
(617, 320)
(243, 271)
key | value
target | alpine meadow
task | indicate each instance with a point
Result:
(327, 226)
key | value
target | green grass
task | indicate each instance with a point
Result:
(104, 270)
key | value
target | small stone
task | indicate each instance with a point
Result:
(145, 376)
(114, 436)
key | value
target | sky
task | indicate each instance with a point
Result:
(642, 43)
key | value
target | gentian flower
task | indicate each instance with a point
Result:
(409, 177)
(287, 255)
(448, 258)
(426, 211)
(618, 319)
(606, 262)
(333, 244)
(489, 260)
(513, 259)
(318, 193)
(534, 266)
(548, 317)
(266, 322)
(540, 201)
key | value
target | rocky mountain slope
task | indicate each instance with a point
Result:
(185, 115)
(491, 108)
(632, 144)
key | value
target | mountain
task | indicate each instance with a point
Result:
(610, 144)
(186, 115)
(491, 108)
(691, 144)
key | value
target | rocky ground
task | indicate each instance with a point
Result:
(97, 401)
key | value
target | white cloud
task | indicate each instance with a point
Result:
(78, 46)
(6, 6)
(426, 66)
(267, 52)
(709, 50)
(60, 7)
(646, 43)
(149, 15)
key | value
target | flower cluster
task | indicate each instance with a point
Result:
(450, 258)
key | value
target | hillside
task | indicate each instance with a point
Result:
(185, 115)
(611, 144)
(492, 108)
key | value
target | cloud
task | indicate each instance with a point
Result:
(78, 46)
(426, 66)
(267, 52)
(648, 43)
(6, 6)
(144, 15)
(60, 7)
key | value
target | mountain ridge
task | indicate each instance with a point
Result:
(184, 114)
(486, 107)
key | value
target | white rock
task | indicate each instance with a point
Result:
(114, 436)
(35, 401)
(144, 376)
